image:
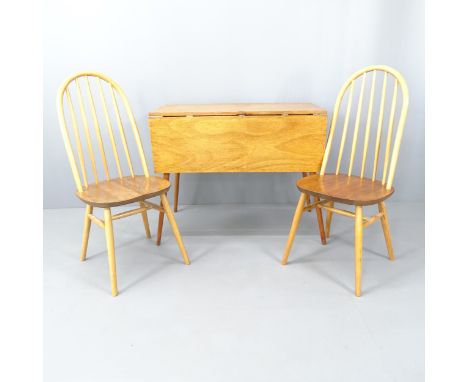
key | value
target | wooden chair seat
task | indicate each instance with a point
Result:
(346, 189)
(121, 191)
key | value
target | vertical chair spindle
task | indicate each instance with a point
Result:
(390, 130)
(356, 125)
(368, 125)
(77, 139)
(97, 129)
(109, 128)
(68, 146)
(136, 132)
(331, 134)
(345, 127)
(121, 130)
(86, 130)
(379, 126)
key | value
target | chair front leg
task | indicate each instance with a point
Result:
(144, 216)
(358, 250)
(386, 230)
(86, 228)
(294, 225)
(110, 250)
(323, 238)
(175, 229)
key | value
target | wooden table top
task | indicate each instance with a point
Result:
(221, 109)
(241, 137)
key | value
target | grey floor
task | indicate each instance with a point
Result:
(234, 314)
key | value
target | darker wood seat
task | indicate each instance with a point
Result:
(346, 189)
(117, 192)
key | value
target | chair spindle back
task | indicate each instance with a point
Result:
(79, 88)
(358, 82)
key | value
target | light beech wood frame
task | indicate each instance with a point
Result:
(107, 193)
(352, 190)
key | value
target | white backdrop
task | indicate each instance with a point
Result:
(231, 51)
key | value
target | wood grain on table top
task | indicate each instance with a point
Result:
(238, 144)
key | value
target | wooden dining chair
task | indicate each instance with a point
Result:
(358, 190)
(94, 179)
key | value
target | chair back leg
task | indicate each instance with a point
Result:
(386, 230)
(144, 216)
(86, 228)
(304, 174)
(323, 238)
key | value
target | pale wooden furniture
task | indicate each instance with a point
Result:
(251, 137)
(87, 94)
(372, 82)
